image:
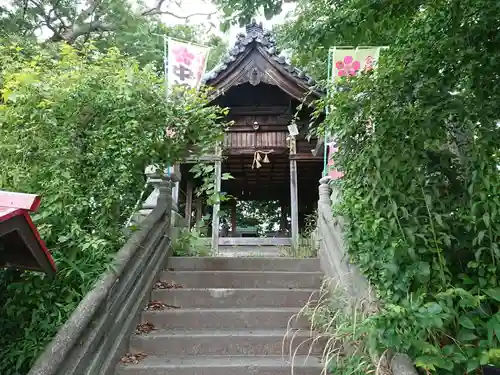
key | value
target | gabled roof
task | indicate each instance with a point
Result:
(255, 58)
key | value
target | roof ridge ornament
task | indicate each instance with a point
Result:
(254, 27)
(256, 37)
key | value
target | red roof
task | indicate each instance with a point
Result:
(6, 213)
(12, 206)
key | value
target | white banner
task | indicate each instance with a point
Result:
(348, 62)
(186, 64)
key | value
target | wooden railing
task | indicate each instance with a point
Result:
(337, 267)
(96, 335)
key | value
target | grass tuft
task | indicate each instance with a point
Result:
(340, 325)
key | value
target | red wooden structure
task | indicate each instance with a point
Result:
(20, 244)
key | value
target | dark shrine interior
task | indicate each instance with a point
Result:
(261, 114)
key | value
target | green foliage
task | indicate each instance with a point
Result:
(494, 357)
(191, 243)
(79, 127)
(420, 190)
(111, 23)
(263, 214)
(207, 188)
(241, 12)
(314, 28)
(143, 38)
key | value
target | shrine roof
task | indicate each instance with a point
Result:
(256, 38)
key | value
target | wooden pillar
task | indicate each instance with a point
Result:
(216, 208)
(294, 195)
(233, 218)
(199, 212)
(283, 216)
(189, 203)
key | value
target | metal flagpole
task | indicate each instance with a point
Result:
(165, 63)
(327, 133)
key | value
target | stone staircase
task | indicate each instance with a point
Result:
(227, 316)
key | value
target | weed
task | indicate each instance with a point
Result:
(341, 325)
(191, 243)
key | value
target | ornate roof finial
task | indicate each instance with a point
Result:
(255, 27)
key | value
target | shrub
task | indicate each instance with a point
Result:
(79, 127)
(420, 190)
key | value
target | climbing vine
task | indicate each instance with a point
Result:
(207, 190)
(79, 127)
(420, 191)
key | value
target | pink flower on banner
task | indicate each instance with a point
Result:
(183, 56)
(201, 64)
(347, 67)
(369, 62)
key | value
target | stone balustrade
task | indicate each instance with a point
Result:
(346, 276)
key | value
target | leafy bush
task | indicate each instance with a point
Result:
(420, 190)
(79, 127)
(191, 243)
(421, 186)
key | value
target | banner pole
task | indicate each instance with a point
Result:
(326, 136)
(165, 63)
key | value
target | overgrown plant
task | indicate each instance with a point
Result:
(191, 243)
(207, 189)
(339, 325)
(79, 127)
(420, 191)
(308, 245)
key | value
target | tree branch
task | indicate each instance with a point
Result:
(46, 17)
(78, 30)
(156, 10)
(86, 13)
(84, 24)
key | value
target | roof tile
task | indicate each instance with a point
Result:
(256, 34)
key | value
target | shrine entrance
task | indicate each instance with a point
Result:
(268, 160)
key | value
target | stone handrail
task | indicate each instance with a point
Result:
(155, 178)
(336, 265)
(95, 336)
(334, 259)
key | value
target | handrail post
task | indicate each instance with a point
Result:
(325, 191)
(154, 178)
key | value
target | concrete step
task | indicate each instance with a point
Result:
(244, 279)
(255, 241)
(247, 342)
(222, 365)
(250, 251)
(224, 298)
(243, 264)
(225, 319)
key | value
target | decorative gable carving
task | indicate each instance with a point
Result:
(255, 59)
(254, 75)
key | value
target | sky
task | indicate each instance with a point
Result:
(205, 6)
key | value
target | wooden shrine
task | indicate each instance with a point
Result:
(268, 162)
(21, 247)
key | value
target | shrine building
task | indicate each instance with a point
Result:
(269, 161)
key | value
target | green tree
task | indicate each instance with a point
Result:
(113, 23)
(79, 129)
(419, 190)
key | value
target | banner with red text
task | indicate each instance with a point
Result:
(346, 62)
(186, 64)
